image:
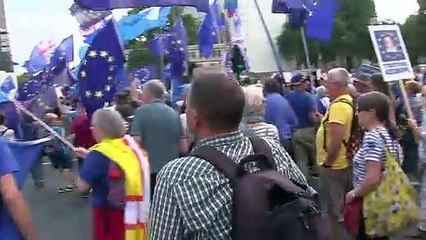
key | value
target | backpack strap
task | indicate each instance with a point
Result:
(260, 146)
(218, 159)
(226, 165)
(327, 118)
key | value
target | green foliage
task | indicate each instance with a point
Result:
(23, 77)
(414, 33)
(139, 53)
(192, 25)
(291, 46)
(350, 35)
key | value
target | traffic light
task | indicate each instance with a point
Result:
(238, 62)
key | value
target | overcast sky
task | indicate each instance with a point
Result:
(30, 22)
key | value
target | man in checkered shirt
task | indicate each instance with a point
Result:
(193, 200)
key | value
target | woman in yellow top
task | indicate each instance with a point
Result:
(117, 171)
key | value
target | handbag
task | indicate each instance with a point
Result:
(392, 206)
(353, 216)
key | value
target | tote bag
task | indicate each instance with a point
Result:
(393, 205)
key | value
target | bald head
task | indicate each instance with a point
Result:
(339, 76)
(218, 101)
(154, 89)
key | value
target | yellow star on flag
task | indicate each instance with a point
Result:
(83, 74)
(93, 54)
(88, 93)
(84, 62)
(103, 53)
(107, 88)
(111, 68)
(110, 59)
(99, 94)
(110, 78)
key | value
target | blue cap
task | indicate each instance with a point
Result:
(297, 79)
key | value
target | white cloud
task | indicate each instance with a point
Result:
(26, 30)
(397, 10)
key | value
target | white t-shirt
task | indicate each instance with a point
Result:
(7, 132)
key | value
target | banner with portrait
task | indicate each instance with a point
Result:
(391, 52)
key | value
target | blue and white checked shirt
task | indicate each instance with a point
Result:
(192, 200)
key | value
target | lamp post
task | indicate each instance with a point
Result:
(5, 58)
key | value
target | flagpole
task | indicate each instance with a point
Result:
(44, 125)
(216, 24)
(271, 42)
(305, 47)
(161, 63)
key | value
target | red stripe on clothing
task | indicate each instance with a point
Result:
(133, 198)
(135, 226)
(139, 162)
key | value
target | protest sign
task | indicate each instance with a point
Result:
(391, 52)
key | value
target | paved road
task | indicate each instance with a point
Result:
(58, 216)
(65, 216)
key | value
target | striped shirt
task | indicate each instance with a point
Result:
(263, 130)
(373, 149)
(193, 200)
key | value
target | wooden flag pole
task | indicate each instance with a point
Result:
(406, 100)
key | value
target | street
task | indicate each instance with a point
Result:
(66, 216)
(63, 216)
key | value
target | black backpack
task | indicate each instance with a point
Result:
(266, 205)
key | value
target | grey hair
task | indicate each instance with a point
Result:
(339, 75)
(110, 122)
(321, 91)
(254, 98)
(155, 88)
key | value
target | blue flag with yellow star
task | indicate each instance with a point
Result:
(98, 70)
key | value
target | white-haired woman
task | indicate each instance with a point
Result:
(253, 122)
(114, 158)
(322, 100)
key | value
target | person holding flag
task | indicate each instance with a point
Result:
(13, 209)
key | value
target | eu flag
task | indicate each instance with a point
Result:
(28, 90)
(20, 156)
(99, 68)
(63, 53)
(143, 74)
(201, 5)
(320, 23)
(207, 36)
(279, 6)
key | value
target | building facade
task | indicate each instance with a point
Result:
(6, 63)
(259, 51)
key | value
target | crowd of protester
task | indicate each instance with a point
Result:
(338, 131)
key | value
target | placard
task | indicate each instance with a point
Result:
(391, 52)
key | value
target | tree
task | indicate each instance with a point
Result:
(140, 55)
(350, 35)
(23, 77)
(414, 33)
(291, 46)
